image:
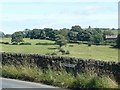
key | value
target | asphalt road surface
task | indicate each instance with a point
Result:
(12, 83)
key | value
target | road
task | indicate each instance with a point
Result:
(12, 83)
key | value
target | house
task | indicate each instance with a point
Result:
(111, 37)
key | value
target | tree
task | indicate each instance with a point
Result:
(8, 36)
(84, 36)
(118, 41)
(107, 32)
(26, 33)
(89, 28)
(98, 39)
(60, 40)
(76, 28)
(2, 34)
(64, 32)
(17, 37)
(73, 35)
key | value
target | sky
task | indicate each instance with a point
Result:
(17, 15)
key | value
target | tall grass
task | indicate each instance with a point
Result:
(31, 72)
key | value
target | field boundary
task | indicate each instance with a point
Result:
(74, 65)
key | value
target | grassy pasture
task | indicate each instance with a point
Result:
(106, 53)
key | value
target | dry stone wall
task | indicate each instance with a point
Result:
(75, 65)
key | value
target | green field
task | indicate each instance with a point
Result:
(106, 53)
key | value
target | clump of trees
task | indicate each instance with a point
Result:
(60, 40)
(62, 36)
(17, 37)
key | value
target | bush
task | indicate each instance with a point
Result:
(61, 78)
(104, 82)
(45, 44)
(14, 43)
(4, 42)
(71, 45)
(67, 52)
(93, 81)
(10, 71)
(25, 44)
(62, 51)
(82, 80)
(89, 44)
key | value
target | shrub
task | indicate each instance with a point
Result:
(25, 72)
(61, 78)
(89, 44)
(103, 82)
(14, 43)
(67, 52)
(71, 45)
(4, 42)
(45, 43)
(93, 81)
(10, 71)
(58, 78)
(82, 80)
(62, 50)
(25, 44)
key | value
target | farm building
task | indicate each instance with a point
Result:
(111, 37)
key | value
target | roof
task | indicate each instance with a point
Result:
(111, 36)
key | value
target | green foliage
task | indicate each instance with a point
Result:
(25, 43)
(67, 52)
(118, 41)
(45, 43)
(87, 80)
(107, 32)
(17, 37)
(83, 80)
(31, 72)
(72, 36)
(60, 40)
(4, 42)
(76, 28)
(2, 35)
(98, 39)
(64, 51)
(7, 36)
(14, 43)
(103, 82)
(89, 44)
(64, 32)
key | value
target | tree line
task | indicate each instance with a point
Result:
(62, 36)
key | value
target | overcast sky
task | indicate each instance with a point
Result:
(17, 15)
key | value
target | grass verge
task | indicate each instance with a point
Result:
(30, 72)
